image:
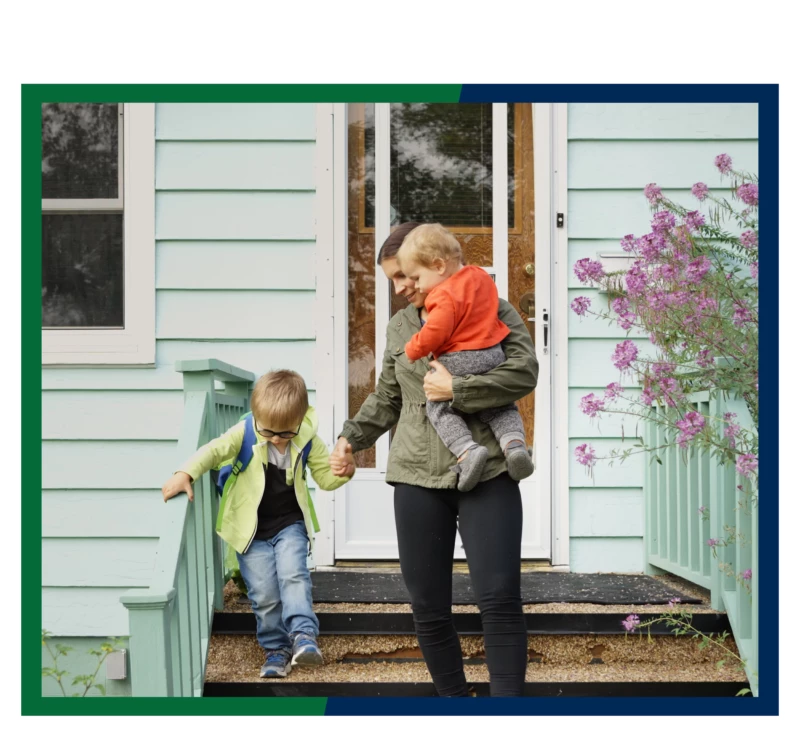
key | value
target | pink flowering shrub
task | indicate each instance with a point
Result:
(693, 291)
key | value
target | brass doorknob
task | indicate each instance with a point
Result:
(530, 269)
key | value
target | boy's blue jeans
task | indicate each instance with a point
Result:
(279, 587)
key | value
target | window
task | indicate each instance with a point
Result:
(441, 166)
(98, 243)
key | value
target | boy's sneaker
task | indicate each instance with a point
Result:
(305, 650)
(276, 665)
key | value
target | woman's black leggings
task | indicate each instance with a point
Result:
(490, 522)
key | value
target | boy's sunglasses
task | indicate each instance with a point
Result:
(285, 435)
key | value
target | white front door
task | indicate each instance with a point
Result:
(472, 168)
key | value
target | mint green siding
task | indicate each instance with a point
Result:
(235, 280)
(613, 151)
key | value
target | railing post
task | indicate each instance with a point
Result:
(151, 661)
(169, 622)
(201, 375)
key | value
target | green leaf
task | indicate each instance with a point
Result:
(720, 663)
(743, 692)
(101, 688)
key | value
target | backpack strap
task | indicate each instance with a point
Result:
(243, 458)
(246, 451)
(306, 452)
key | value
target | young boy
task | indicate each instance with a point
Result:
(267, 515)
(464, 334)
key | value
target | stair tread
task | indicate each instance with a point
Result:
(234, 658)
(541, 673)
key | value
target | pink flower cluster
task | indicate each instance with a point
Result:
(748, 193)
(662, 221)
(588, 271)
(691, 424)
(741, 315)
(732, 430)
(580, 305)
(591, 405)
(748, 239)
(653, 193)
(631, 622)
(747, 464)
(585, 455)
(700, 191)
(694, 220)
(625, 354)
(724, 163)
(684, 302)
(705, 359)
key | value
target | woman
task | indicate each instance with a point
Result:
(427, 503)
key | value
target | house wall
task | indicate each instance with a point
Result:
(235, 252)
(613, 151)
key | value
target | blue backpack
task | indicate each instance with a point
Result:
(221, 475)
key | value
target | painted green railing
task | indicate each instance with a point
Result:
(677, 533)
(170, 621)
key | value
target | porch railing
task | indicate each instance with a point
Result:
(677, 534)
(170, 621)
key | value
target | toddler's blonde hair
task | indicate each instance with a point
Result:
(426, 243)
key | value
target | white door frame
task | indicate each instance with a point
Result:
(550, 190)
(560, 362)
(330, 210)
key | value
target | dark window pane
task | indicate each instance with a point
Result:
(82, 271)
(441, 164)
(80, 151)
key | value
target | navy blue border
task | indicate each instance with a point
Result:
(766, 96)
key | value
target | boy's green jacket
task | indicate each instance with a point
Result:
(238, 509)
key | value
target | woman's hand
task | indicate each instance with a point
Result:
(177, 483)
(438, 383)
(341, 459)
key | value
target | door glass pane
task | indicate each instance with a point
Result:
(82, 271)
(361, 262)
(80, 151)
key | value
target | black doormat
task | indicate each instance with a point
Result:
(537, 588)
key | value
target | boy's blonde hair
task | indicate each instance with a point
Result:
(280, 400)
(426, 243)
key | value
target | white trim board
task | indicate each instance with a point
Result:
(559, 342)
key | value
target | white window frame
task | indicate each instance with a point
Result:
(135, 343)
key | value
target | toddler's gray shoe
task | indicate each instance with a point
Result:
(470, 467)
(520, 465)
